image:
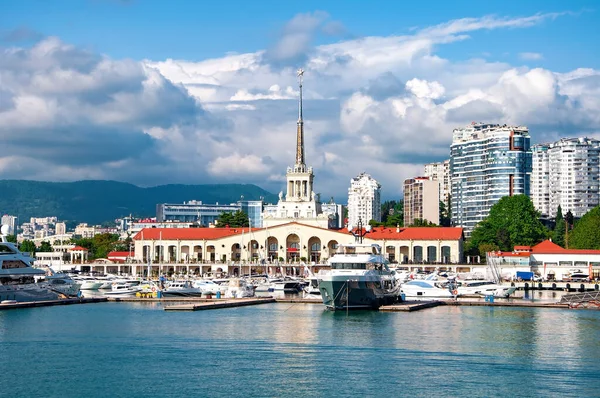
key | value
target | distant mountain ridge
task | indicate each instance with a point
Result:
(96, 201)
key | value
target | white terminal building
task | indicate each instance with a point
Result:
(565, 174)
(364, 200)
(488, 162)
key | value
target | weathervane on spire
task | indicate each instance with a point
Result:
(300, 74)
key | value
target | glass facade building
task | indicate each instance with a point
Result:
(206, 214)
(488, 162)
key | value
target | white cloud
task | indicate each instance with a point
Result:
(384, 105)
(527, 56)
(234, 165)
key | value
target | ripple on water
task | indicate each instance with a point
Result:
(129, 349)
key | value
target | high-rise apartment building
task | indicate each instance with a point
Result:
(440, 172)
(540, 179)
(364, 200)
(421, 200)
(60, 228)
(571, 168)
(11, 221)
(488, 162)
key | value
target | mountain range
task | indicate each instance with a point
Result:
(97, 201)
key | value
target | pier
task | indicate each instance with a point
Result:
(49, 303)
(218, 303)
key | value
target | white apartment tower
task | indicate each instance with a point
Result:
(11, 221)
(421, 200)
(540, 179)
(571, 166)
(60, 228)
(488, 162)
(364, 200)
(440, 172)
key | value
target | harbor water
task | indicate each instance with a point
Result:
(277, 350)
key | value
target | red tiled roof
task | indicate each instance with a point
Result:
(118, 254)
(78, 249)
(416, 233)
(188, 233)
(549, 247)
(377, 233)
(522, 248)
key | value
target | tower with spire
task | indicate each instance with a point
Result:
(299, 177)
(300, 202)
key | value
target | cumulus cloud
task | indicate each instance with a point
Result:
(384, 105)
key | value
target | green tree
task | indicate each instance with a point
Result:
(558, 235)
(512, 221)
(45, 247)
(420, 222)
(11, 238)
(374, 223)
(224, 220)
(585, 234)
(27, 246)
(102, 244)
(570, 221)
(395, 220)
(234, 220)
(445, 215)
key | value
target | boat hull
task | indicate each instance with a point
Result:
(357, 294)
(26, 293)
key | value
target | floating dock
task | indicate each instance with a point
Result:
(220, 303)
(49, 303)
(409, 306)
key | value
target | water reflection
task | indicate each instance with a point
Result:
(301, 349)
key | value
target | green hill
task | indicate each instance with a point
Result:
(97, 201)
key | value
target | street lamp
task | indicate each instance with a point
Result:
(360, 233)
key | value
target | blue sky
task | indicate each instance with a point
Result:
(195, 30)
(153, 92)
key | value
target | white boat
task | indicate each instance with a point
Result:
(17, 276)
(286, 284)
(88, 282)
(425, 289)
(181, 289)
(122, 290)
(359, 278)
(62, 283)
(311, 286)
(209, 287)
(484, 288)
(239, 288)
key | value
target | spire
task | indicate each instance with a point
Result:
(300, 129)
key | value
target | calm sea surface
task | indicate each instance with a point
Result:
(277, 350)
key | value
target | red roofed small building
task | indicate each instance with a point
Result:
(550, 261)
(119, 257)
(79, 255)
(283, 247)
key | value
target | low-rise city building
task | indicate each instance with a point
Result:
(549, 260)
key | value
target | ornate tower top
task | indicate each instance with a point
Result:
(300, 129)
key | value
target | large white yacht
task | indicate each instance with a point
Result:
(17, 276)
(359, 278)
